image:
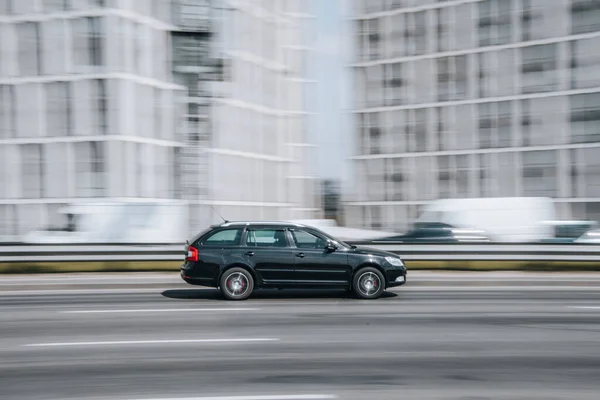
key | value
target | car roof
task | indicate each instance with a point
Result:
(261, 223)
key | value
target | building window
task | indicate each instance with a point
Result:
(191, 50)
(585, 118)
(8, 221)
(58, 109)
(444, 78)
(504, 123)
(495, 124)
(375, 133)
(526, 18)
(507, 174)
(7, 111)
(376, 217)
(96, 38)
(56, 170)
(375, 79)
(486, 175)
(463, 171)
(89, 169)
(539, 71)
(495, 23)
(585, 16)
(88, 43)
(485, 74)
(54, 46)
(27, 110)
(6, 8)
(99, 106)
(29, 53)
(445, 177)
(452, 78)
(442, 29)
(421, 131)
(504, 26)
(486, 125)
(192, 15)
(539, 173)
(32, 171)
(375, 178)
(374, 41)
(158, 110)
(585, 62)
(396, 179)
(55, 5)
(590, 169)
(420, 33)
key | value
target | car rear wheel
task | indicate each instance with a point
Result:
(236, 284)
(368, 283)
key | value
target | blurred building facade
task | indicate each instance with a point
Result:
(475, 98)
(125, 99)
(260, 156)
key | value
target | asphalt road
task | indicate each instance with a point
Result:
(442, 336)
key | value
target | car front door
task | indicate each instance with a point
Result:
(314, 264)
(269, 252)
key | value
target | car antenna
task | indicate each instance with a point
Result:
(220, 216)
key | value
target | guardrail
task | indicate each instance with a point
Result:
(14, 253)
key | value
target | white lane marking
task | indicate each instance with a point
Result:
(257, 397)
(156, 310)
(124, 342)
(586, 307)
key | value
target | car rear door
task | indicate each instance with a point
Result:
(314, 264)
(268, 251)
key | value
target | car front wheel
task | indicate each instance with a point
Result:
(236, 284)
(368, 283)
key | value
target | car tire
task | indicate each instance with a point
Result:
(368, 283)
(236, 284)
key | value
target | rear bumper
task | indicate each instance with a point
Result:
(196, 281)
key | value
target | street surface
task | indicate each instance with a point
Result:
(470, 336)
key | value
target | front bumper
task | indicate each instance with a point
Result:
(396, 278)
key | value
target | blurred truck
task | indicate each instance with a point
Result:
(435, 232)
(118, 222)
(503, 219)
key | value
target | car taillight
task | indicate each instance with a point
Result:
(192, 254)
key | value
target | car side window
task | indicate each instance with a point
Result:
(266, 238)
(225, 237)
(307, 240)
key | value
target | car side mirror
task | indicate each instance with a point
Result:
(331, 247)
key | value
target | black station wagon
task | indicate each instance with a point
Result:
(238, 257)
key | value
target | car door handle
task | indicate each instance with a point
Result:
(250, 253)
(301, 255)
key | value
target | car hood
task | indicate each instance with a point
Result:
(371, 251)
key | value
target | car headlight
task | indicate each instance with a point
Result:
(395, 261)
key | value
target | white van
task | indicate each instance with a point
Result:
(503, 219)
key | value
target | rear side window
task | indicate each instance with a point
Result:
(266, 238)
(225, 237)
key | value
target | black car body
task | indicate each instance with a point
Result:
(240, 256)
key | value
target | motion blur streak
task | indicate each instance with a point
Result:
(158, 310)
(280, 397)
(444, 344)
(125, 342)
